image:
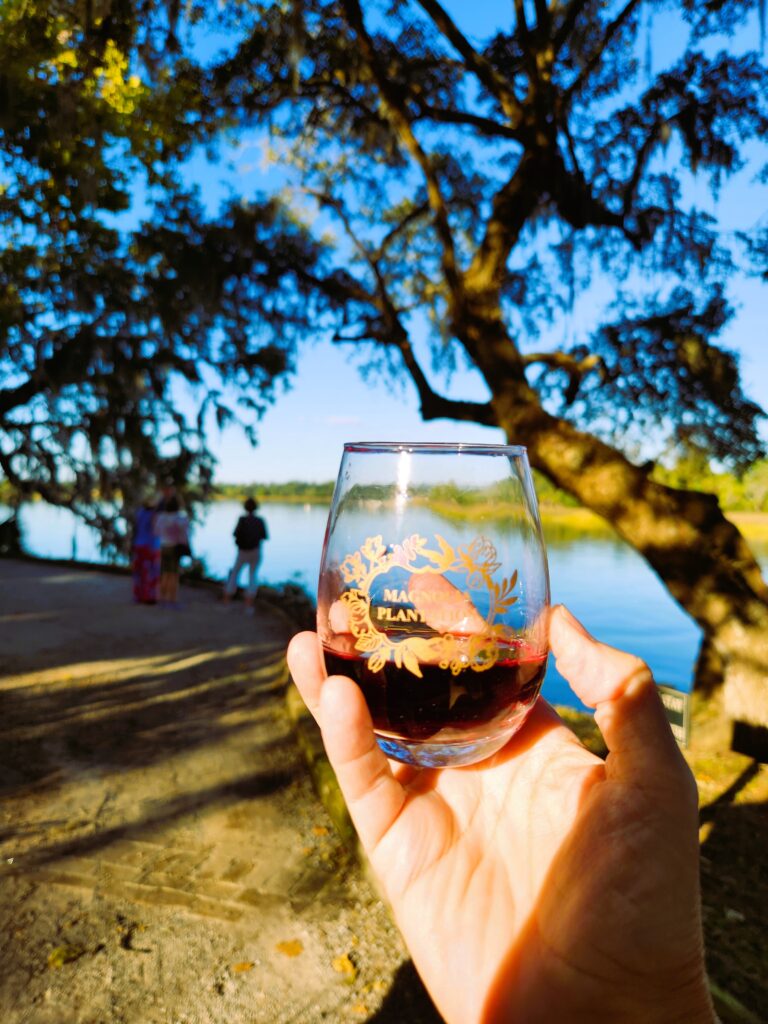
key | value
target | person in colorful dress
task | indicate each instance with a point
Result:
(145, 555)
(172, 530)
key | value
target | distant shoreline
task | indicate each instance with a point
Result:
(754, 525)
(568, 518)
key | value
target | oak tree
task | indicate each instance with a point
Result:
(481, 188)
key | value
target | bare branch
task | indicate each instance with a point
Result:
(326, 199)
(575, 7)
(485, 125)
(384, 304)
(410, 218)
(512, 205)
(48, 492)
(543, 18)
(579, 207)
(642, 156)
(524, 33)
(522, 20)
(434, 406)
(482, 68)
(565, 127)
(559, 360)
(641, 159)
(575, 369)
(594, 59)
(371, 335)
(397, 115)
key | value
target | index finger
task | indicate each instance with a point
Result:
(305, 662)
(373, 795)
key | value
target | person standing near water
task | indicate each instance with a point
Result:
(249, 533)
(172, 529)
(145, 554)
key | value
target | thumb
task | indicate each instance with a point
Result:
(620, 687)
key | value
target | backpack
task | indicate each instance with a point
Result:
(249, 532)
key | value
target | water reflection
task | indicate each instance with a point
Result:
(599, 577)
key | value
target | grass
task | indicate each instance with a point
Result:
(754, 525)
(576, 520)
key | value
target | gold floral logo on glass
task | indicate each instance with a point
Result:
(462, 638)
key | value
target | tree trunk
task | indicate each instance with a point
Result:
(700, 556)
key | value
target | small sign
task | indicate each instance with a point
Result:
(677, 705)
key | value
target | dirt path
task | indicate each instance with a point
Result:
(163, 859)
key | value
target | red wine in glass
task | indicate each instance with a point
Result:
(464, 708)
(441, 621)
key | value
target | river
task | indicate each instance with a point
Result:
(604, 582)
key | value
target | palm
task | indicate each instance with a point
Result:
(538, 884)
(479, 854)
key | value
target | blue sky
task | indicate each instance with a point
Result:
(328, 403)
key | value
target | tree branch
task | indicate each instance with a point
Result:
(399, 118)
(576, 369)
(326, 199)
(543, 18)
(436, 407)
(52, 494)
(512, 205)
(416, 212)
(575, 7)
(371, 335)
(385, 305)
(594, 59)
(559, 360)
(565, 128)
(641, 158)
(578, 206)
(485, 125)
(522, 22)
(476, 62)
(65, 366)
(432, 406)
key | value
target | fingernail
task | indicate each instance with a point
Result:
(641, 680)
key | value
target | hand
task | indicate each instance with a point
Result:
(544, 884)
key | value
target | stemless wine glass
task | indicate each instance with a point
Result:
(433, 595)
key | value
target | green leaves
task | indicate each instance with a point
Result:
(123, 303)
(660, 368)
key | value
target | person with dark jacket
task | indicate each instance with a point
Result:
(250, 532)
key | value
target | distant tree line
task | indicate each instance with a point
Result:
(747, 492)
(293, 491)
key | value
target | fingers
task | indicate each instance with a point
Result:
(305, 662)
(620, 687)
(373, 796)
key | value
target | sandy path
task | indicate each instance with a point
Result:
(163, 858)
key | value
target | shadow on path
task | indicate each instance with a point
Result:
(85, 717)
(117, 721)
(735, 896)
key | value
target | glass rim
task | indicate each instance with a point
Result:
(437, 448)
